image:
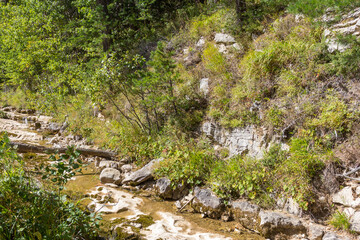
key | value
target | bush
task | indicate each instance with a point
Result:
(28, 211)
(340, 221)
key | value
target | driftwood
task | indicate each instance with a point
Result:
(30, 148)
(346, 175)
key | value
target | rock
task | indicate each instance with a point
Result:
(345, 197)
(349, 25)
(126, 168)
(273, 223)
(192, 58)
(201, 43)
(250, 140)
(108, 164)
(224, 38)
(206, 202)
(238, 47)
(37, 125)
(330, 236)
(54, 127)
(355, 222)
(349, 212)
(204, 86)
(247, 214)
(290, 206)
(110, 175)
(357, 191)
(164, 189)
(315, 231)
(143, 174)
(222, 48)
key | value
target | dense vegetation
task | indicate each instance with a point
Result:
(29, 210)
(77, 58)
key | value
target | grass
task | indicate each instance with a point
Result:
(340, 221)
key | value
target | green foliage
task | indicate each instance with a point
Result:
(333, 114)
(27, 211)
(340, 221)
(187, 165)
(240, 177)
(316, 8)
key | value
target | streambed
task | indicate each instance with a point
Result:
(120, 205)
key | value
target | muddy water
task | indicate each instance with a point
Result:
(118, 204)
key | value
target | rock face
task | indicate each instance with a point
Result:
(246, 214)
(349, 25)
(291, 206)
(224, 38)
(239, 140)
(273, 223)
(330, 236)
(207, 203)
(142, 175)
(110, 175)
(164, 189)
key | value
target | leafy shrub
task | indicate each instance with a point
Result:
(187, 165)
(28, 211)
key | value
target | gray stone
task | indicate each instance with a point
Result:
(207, 203)
(330, 236)
(315, 231)
(247, 214)
(164, 189)
(201, 43)
(110, 175)
(355, 222)
(345, 197)
(204, 86)
(291, 206)
(126, 168)
(143, 174)
(108, 164)
(224, 38)
(274, 223)
(358, 191)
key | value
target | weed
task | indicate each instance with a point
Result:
(340, 221)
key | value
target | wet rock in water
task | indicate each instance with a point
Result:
(110, 175)
(206, 202)
(274, 223)
(315, 231)
(108, 164)
(164, 189)
(143, 174)
(247, 214)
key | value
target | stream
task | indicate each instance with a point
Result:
(131, 210)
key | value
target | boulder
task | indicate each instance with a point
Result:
(355, 222)
(224, 38)
(274, 223)
(108, 164)
(207, 203)
(110, 175)
(143, 174)
(247, 214)
(315, 231)
(291, 206)
(164, 189)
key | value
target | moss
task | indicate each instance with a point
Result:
(145, 220)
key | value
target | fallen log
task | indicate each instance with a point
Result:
(30, 148)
